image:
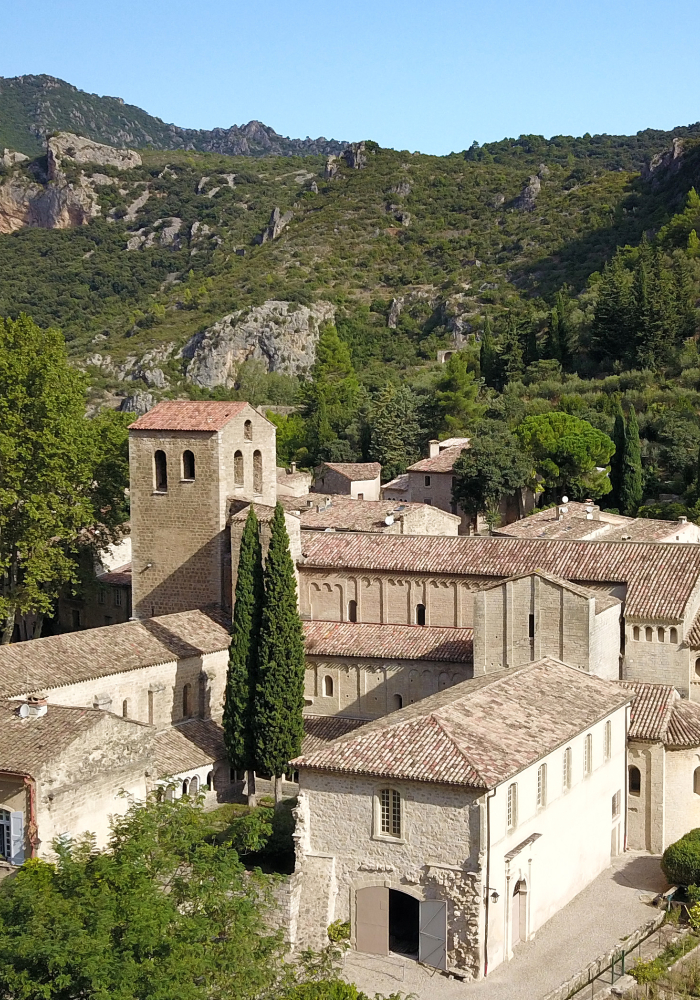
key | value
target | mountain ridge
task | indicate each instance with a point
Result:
(34, 106)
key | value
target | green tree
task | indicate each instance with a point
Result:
(563, 332)
(511, 351)
(631, 483)
(567, 452)
(242, 677)
(46, 471)
(680, 861)
(279, 696)
(394, 430)
(108, 435)
(163, 913)
(618, 457)
(610, 333)
(331, 397)
(489, 361)
(455, 398)
(494, 467)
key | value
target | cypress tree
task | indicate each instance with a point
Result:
(511, 351)
(279, 696)
(241, 679)
(488, 357)
(618, 458)
(631, 486)
(610, 334)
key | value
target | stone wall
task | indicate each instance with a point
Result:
(657, 660)
(332, 481)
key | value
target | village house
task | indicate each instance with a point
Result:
(340, 513)
(358, 480)
(451, 830)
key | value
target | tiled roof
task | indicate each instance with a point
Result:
(187, 415)
(478, 733)
(263, 512)
(396, 642)
(693, 636)
(119, 577)
(575, 525)
(398, 485)
(660, 714)
(345, 514)
(26, 745)
(660, 578)
(58, 660)
(440, 463)
(195, 743)
(355, 471)
(603, 600)
(319, 730)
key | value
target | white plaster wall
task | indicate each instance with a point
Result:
(682, 803)
(605, 644)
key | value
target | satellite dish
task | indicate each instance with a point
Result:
(24, 711)
(389, 520)
(564, 499)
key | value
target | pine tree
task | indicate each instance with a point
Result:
(394, 430)
(618, 458)
(610, 334)
(241, 681)
(511, 351)
(455, 402)
(488, 357)
(532, 353)
(279, 695)
(563, 331)
(631, 485)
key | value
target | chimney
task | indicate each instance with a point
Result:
(293, 468)
(683, 520)
(34, 707)
(434, 449)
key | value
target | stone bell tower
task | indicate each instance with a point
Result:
(187, 461)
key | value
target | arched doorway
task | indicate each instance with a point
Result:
(403, 923)
(519, 913)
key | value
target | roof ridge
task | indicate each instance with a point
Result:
(440, 724)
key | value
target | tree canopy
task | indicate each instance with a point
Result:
(494, 467)
(568, 452)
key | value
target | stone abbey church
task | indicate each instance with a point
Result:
(488, 719)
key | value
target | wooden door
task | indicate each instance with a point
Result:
(372, 920)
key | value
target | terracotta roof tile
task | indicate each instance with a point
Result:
(195, 743)
(443, 462)
(575, 525)
(345, 514)
(693, 636)
(57, 660)
(660, 578)
(319, 730)
(659, 714)
(356, 471)
(396, 642)
(478, 733)
(119, 577)
(398, 485)
(187, 415)
(27, 745)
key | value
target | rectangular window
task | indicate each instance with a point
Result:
(427, 480)
(566, 770)
(541, 786)
(588, 755)
(101, 596)
(360, 496)
(512, 806)
(531, 626)
(390, 803)
(117, 597)
(608, 740)
(428, 501)
(616, 805)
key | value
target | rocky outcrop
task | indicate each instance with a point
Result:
(528, 197)
(139, 403)
(275, 226)
(402, 189)
(355, 155)
(76, 149)
(10, 158)
(56, 205)
(282, 334)
(667, 163)
(331, 168)
(394, 312)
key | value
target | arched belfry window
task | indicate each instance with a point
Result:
(696, 780)
(187, 465)
(420, 614)
(238, 468)
(328, 687)
(161, 471)
(248, 430)
(635, 780)
(352, 611)
(257, 472)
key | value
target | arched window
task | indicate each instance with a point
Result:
(390, 812)
(248, 430)
(696, 780)
(512, 809)
(649, 633)
(397, 701)
(328, 687)
(352, 611)
(661, 634)
(125, 708)
(186, 786)
(673, 635)
(697, 667)
(420, 614)
(187, 701)
(170, 794)
(257, 472)
(161, 472)
(635, 633)
(194, 786)
(210, 781)
(188, 465)
(635, 780)
(238, 468)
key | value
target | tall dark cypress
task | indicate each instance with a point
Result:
(631, 487)
(489, 362)
(241, 680)
(279, 696)
(618, 458)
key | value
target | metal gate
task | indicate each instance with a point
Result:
(432, 937)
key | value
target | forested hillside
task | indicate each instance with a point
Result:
(566, 271)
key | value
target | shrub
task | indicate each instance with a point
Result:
(681, 861)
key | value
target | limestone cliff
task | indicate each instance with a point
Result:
(283, 334)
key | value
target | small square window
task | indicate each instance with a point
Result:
(428, 501)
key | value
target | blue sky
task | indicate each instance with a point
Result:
(430, 76)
